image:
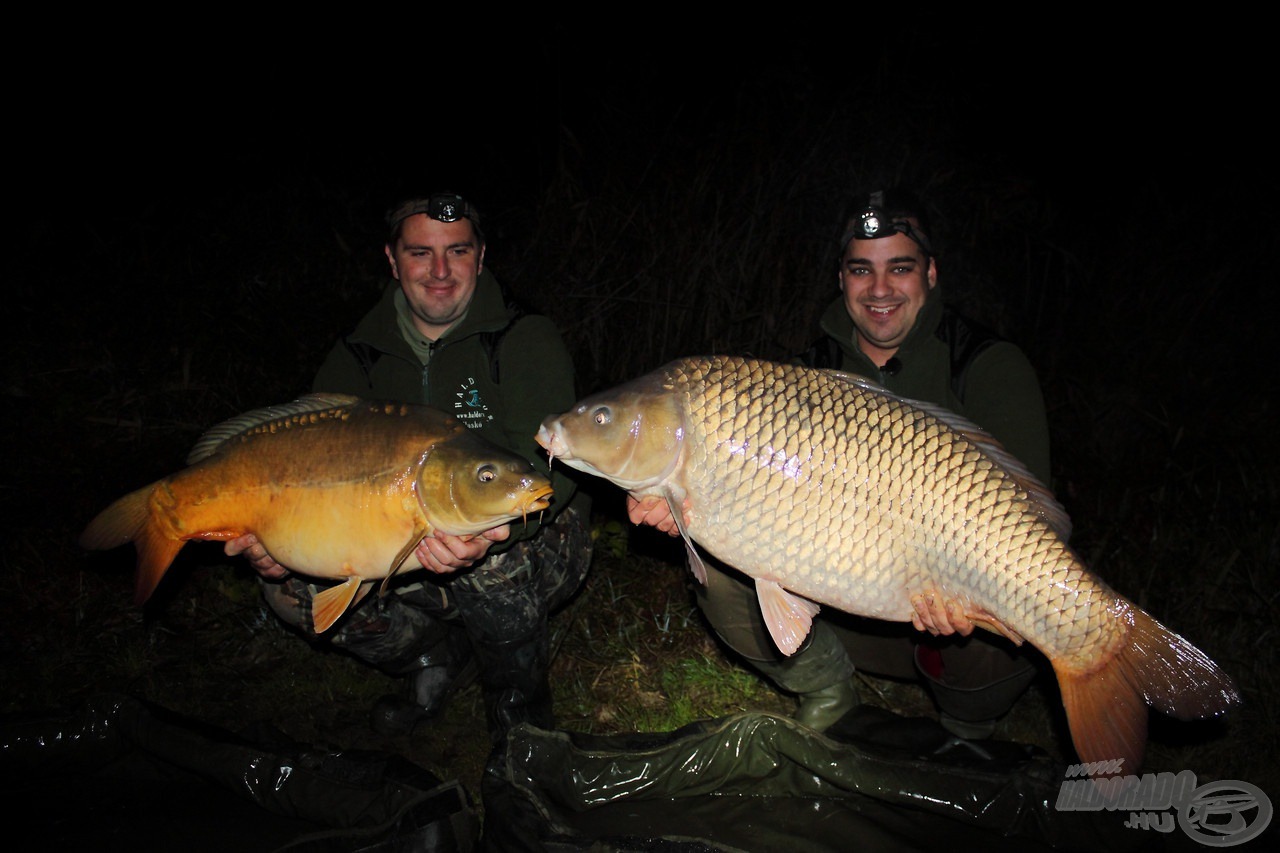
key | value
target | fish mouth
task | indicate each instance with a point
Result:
(550, 441)
(538, 501)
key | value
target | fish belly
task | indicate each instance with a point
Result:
(326, 530)
(857, 503)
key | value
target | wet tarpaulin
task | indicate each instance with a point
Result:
(117, 774)
(759, 783)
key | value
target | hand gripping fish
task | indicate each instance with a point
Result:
(828, 489)
(334, 486)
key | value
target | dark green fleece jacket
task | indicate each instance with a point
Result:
(1001, 392)
(497, 372)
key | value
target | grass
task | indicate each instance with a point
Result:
(1165, 459)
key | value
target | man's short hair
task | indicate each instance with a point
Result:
(444, 207)
(895, 210)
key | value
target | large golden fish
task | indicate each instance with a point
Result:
(334, 486)
(827, 488)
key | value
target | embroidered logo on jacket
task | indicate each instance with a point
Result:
(469, 406)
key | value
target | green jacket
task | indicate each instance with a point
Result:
(1001, 392)
(534, 377)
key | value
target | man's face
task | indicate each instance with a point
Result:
(885, 283)
(437, 264)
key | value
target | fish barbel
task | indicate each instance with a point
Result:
(334, 487)
(828, 489)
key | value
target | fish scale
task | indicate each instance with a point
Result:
(979, 494)
(335, 487)
(828, 489)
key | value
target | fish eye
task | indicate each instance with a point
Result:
(487, 473)
(602, 416)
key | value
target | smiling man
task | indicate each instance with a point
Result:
(437, 264)
(890, 325)
(445, 334)
(885, 282)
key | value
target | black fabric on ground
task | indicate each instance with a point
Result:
(116, 774)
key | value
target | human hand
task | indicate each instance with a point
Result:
(939, 616)
(444, 553)
(256, 553)
(656, 512)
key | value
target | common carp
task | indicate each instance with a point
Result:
(334, 486)
(828, 489)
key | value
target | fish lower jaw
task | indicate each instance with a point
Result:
(538, 504)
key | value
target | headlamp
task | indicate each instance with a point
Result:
(443, 207)
(448, 207)
(872, 223)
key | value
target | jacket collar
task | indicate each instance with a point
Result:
(837, 323)
(379, 328)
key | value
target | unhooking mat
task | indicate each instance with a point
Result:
(117, 774)
(763, 783)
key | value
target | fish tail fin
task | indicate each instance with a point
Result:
(130, 520)
(1106, 705)
(119, 523)
(1106, 713)
(156, 553)
(1182, 681)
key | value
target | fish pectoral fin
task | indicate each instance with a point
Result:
(365, 588)
(328, 606)
(419, 530)
(696, 565)
(787, 616)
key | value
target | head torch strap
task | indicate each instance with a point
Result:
(872, 224)
(443, 207)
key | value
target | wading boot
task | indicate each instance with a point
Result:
(822, 708)
(508, 630)
(821, 677)
(441, 671)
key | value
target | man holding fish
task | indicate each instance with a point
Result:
(444, 334)
(890, 325)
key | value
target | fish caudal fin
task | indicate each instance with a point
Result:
(129, 520)
(1106, 705)
(117, 524)
(328, 606)
(155, 555)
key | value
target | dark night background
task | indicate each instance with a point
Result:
(1126, 137)
(1108, 194)
(193, 226)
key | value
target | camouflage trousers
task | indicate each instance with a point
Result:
(508, 594)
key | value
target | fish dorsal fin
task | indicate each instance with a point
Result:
(1045, 504)
(787, 616)
(217, 436)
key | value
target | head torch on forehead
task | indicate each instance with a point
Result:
(443, 207)
(873, 222)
